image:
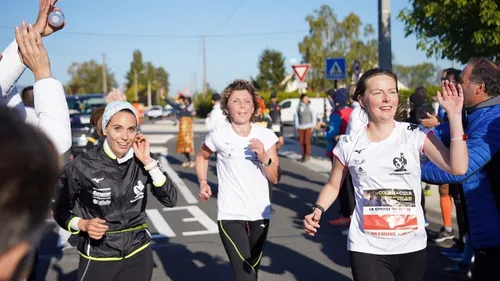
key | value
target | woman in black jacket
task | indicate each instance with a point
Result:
(108, 183)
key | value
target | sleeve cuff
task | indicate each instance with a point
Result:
(73, 225)
(157, 176)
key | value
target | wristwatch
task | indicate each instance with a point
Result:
(268, 163)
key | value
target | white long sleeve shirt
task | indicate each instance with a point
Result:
(216, 117)
(51, 114)
(357, 119)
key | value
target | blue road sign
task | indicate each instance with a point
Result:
(335, 69)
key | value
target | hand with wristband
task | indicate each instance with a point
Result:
(311, 221)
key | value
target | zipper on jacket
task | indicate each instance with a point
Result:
(122, 193)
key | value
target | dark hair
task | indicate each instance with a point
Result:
(421, 91)
(302, 96)
(29, 174)
(452, 72)
(487, 72)
(238, 85)
(360, 90)
(27, 97)
(96, 120)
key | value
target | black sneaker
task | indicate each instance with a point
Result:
(445, 235)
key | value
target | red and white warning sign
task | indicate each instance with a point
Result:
(301, 70)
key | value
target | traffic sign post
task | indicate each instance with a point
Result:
(356, 70)
(301, 71)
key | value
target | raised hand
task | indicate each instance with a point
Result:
(141, 149)
(42, 23)
(451, 98)
(32, 52)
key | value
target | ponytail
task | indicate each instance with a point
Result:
(96, 120)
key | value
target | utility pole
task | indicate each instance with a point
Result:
(453, 63)
(149, 93)
(136, 92)
(104, 75)
(384, 34)
(204, 67)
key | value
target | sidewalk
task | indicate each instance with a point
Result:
(319, 163)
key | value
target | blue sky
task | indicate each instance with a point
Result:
(170, 34)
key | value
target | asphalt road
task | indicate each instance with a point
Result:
(187, 246)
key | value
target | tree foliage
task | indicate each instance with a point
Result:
(330, 37)
(271, 70)
(416, 75)
(145, 72)
(458, 29)
(86, 78)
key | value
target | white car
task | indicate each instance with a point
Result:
(156, 111)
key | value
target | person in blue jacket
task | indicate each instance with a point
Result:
(481, 184)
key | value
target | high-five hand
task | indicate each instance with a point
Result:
(32, 52)
(452, 98)
(42, 22)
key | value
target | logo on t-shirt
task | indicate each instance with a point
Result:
(400, 164)
(359, 150)
(412, 127)
(361, 171)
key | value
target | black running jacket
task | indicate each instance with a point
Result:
(100, 187)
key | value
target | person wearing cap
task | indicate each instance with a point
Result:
(216, 115)
(275, 114)
(109, 183)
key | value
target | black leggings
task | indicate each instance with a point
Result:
(244, 243)
(138, 267)
(457, 193)
(402, 267)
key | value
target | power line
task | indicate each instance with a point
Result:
(178, 36)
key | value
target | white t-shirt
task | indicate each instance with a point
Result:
(388, 218)
(243, 187)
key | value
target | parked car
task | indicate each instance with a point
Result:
(80, 109)
(289, 107)
(156, 111)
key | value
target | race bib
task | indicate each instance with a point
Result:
(276, 128)
(389, 212)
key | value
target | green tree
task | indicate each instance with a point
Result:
(271, 70)
(86, 78)
(413, 76)
(329, 37)
(203, 104)
(145, 71)
(458, 29)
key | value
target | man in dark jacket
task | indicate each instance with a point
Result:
(480, 81)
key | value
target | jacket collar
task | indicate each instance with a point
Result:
(487, 103)
(107, 150)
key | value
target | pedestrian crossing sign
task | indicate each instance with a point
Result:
(335, 69)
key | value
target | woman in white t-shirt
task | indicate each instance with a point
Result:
(387, 237)
(246, 161)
